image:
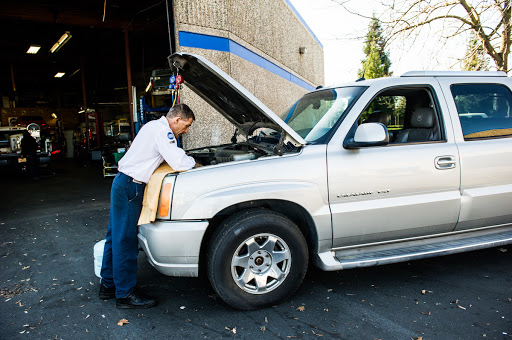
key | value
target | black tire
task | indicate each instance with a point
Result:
(252, 280)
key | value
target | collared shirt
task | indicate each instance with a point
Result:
(154, 143)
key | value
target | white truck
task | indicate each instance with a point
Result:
(366, 173)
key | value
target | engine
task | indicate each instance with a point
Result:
(217, 155)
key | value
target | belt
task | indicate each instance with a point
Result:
(133, 179)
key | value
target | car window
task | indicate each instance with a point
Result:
(484, 110)
(409, 114)
(315, 114)
(388, 110)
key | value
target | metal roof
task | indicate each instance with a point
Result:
(454, 74)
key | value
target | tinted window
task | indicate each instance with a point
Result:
(484, 110)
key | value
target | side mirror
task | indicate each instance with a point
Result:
(368, 134)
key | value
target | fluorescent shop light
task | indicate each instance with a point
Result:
(33, 49)
(64, 39)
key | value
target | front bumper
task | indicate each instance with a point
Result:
(173, 247)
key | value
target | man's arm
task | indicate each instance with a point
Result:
(173, 155)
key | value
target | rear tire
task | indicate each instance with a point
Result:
(256, 258)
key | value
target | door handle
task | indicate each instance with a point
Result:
(445, 162)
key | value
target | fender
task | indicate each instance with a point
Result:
(202, 193)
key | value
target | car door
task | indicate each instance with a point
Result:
(398, 191)
(481, 110)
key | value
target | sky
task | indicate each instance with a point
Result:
(342, 36)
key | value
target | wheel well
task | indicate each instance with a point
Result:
(293, 211)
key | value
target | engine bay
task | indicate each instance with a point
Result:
(253, 148)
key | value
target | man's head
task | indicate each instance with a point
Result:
(180, 117)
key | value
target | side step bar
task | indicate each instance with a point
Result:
(373, 255)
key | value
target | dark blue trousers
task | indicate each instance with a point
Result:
(119, 267)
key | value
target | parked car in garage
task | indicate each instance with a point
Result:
(366, 173)
(10, 146)
(25, 121)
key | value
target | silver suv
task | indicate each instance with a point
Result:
(366, 173)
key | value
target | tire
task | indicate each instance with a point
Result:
(256, 258)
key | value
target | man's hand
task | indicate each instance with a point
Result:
(198, 165)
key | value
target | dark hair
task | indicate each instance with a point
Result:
(182, 111)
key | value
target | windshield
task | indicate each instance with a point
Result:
(315, 114)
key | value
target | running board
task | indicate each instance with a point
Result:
(373, 255)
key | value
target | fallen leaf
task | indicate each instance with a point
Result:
(266, 320)
(27, 267)
(417, 338)
(423, 292)
(461, 307)
(122, 322)
(317, 334)
(231, 330)
(263, 328)
(301, 308)
(503, 250)
(429, 313)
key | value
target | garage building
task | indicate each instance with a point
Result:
(91, 63)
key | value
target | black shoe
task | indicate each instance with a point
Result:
(135, 300)
(107, 293)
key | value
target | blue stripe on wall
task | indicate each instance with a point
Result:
(210, 42)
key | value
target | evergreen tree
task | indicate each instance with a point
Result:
(475, 58)
(377, 62)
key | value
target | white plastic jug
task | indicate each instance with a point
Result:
(98, 257)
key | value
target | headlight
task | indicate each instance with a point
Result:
(164, 206)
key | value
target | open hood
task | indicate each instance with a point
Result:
(226, 95)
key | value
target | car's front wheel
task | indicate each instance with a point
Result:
(257, 258)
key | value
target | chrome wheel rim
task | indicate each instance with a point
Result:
(261, 263)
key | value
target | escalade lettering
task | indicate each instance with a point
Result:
(355, 194)
(364, 193)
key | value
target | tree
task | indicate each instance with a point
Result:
(475, 58)
(488, 20)
(376, 63)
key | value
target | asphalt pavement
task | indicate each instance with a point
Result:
(48, 289)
